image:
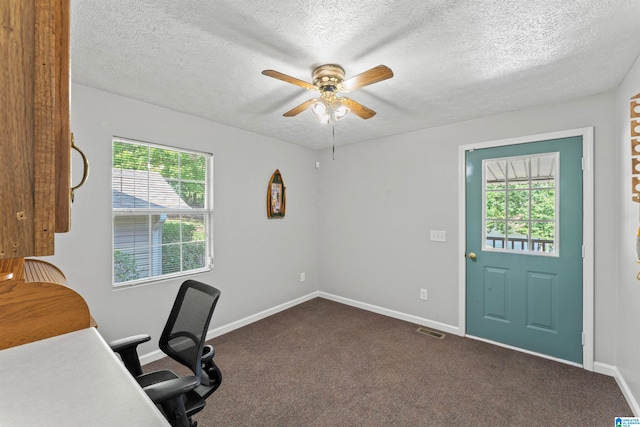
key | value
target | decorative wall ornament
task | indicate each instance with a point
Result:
(634, 117)
(635, 147)
(276, 197)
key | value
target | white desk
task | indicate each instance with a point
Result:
(71, 380)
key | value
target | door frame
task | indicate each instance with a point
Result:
(587, 234)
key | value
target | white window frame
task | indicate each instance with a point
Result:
(206, 211)
(556, 186)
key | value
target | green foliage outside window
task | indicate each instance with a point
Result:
(519, 212)
(185, 172)
(193, 251)
(543, 204)
(124, 267)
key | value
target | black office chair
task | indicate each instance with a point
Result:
(183, 340)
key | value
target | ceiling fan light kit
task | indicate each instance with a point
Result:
(328, 108)
(329, 80)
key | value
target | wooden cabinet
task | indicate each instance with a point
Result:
(35, 140)
(35, 171)
(36, 303)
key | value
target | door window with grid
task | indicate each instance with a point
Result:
(521, 204)
(162, 211)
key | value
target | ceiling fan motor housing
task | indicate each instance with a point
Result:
(328, 77)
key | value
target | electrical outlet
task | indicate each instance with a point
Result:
(303, 277)
(423, 294)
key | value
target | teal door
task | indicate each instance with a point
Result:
(524, 246)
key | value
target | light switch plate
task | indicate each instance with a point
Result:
(438, 235)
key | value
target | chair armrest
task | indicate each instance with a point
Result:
(165, 390)
(127, 348)
(124, 343)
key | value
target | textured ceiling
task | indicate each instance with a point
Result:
(452, 60)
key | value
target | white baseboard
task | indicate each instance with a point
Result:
(613, 371)
(221, 330)
(604, 369)
(157, 354)
(454, 330)
(151, 357)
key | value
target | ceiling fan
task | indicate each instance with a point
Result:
(329, 80)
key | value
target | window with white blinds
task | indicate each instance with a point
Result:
(162, 212)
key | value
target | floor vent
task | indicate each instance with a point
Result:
(431, 333)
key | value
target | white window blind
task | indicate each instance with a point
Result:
(162, 211)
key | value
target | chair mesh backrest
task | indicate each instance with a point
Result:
(185, 332)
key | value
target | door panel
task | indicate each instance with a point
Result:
(524, 287)
(496, 294)
(542, 300)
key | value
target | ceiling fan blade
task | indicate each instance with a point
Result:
(285, 78)
(357, 108)
(374, 75)
(300, 108)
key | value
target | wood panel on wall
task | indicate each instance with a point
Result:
(35, 143)
(62, 120)
(44, 133)
(17, 48)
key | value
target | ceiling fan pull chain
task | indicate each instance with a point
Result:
(333, 135)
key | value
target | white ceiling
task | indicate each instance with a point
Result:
(452, 60)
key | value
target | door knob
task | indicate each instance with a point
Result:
(472, 256)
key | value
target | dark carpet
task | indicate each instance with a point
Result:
(322, 363)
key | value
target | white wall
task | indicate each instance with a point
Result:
(257, 261)
(380, 198)
(628, 220)
(358, 226)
